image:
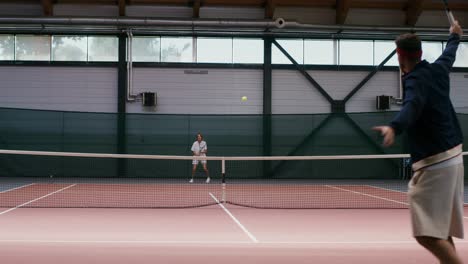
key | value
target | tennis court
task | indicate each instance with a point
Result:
(214, 233)
(144, 220)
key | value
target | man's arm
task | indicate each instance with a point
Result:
(447, 59)
(412, 106)
(415, 99)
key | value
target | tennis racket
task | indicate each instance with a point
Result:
(202, 147)
(450, 16)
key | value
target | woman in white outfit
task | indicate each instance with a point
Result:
(199, 148)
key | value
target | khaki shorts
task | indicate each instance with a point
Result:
(436, 202)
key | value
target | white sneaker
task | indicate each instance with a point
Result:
(191, 181)
(208, 180)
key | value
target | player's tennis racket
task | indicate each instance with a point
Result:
(202, 147)
(450, 16)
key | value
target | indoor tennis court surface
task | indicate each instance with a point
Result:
(213, 234)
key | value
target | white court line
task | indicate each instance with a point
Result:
(195, 242)
(22, 186)
(397, 191)
(26, 203)
(376, 187)
(252, 237)
(365, 194)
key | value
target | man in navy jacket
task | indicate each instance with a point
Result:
(435, 142)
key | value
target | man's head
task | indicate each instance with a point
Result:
(409, 51)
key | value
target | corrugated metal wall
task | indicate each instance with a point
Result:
(219, 91)
(55, 88)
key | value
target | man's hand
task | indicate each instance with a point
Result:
(455, 28)
(388, 133)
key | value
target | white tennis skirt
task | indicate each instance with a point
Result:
(436, 202)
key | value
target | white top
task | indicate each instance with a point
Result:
(199, 148)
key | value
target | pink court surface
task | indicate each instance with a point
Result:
(214, 234)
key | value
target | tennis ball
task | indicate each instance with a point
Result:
(244, 98)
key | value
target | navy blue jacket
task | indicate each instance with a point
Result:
(427, 114)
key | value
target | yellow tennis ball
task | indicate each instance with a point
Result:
(244, 98)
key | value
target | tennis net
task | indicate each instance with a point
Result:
(96, 180)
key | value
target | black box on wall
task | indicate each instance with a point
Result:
(383, 102)
(149, 99)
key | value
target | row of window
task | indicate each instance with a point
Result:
(209, 50)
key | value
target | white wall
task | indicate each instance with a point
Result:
(217, 92)
(459, 92)
(55, 88)
(293, 94)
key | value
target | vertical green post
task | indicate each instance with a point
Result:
(267, 105)
(121, 106)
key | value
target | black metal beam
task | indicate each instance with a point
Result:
(121, 105)
(267, 76)
(306, 139)
(371, 142)
(368, 77)
(267, 104)
(301, 69)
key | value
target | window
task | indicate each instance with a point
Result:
(7, 47)
(356, 52)
(175, 49)
(295, 48)
(214, 50)
(382, 50)
(248, 50)
(431, 50)
(146, 49)
(69, 48)
(319, 52)
(103, 49)
(462, 55)
(32, 48)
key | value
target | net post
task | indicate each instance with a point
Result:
(223, 180)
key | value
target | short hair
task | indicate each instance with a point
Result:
(410, 43)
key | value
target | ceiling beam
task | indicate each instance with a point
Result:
(90, 2)
(122, 7)
(270, 9)
(159, 2)
(258, 3)
(342, 9)
(414, 10)
(453, 6)
(401, 4)
(196, 8)
(47, 7)
(306, 3)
